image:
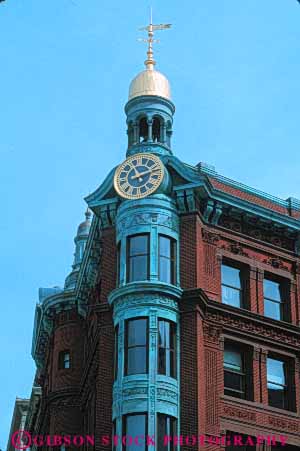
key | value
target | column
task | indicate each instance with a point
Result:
(263, 376)
(149, 122)
(260, 291)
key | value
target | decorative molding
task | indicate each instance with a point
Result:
(235, 248)
(250, 326)
(208, 210)
(145, 293)
(132, 392)
(233, 412)
(264, 355)
(217, 213)
(167, 394)
(211, 333)
(186, 200)
(162, 219)
(276, 263)
(210, 237)
(284, 425)
(256, 353)
(259, 230)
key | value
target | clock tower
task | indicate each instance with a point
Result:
(146, 392)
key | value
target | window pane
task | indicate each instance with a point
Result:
(275, 371)
(165, 246)
(231, 296)
(165, 269)
(161, 432)
(231, 276)
(166, 426)
(136, 361)
(233, 360)
(161, 361)
(67, 361)
(138, 245)
(138, 268)
(272, 309)
(164, 334)
(137, 332)
(166, 349)
(233, 381)
(276, 396)
(135, 425)
(272, 290)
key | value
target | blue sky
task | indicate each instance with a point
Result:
(65, 68)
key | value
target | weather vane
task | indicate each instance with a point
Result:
(150, 62)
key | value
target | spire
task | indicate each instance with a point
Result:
(88, 214)
(80, 243)
(150, 61)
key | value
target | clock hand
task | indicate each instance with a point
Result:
(136, 171)
(143, 173)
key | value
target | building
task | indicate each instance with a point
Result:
(181, 314)
(18, 420)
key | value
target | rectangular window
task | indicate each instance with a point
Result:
(166, 426)
(116, 354)
(167, 259)
(277, 383)
(232, 285)
(133, 426)
(167, 348)
(234, 372)
(274, 302)
(64, 360)
(138, 258)
(136, 346)
(238, 372)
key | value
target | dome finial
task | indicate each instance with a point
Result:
(88, 214)
(150, 62)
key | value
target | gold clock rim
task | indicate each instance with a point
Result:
(152, 190)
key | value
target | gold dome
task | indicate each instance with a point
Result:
(150, 83)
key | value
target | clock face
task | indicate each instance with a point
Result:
(139, 176)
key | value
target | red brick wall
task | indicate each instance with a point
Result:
(202, 251)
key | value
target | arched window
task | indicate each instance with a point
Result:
(143, 130)
(156, 130)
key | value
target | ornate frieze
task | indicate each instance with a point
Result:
(283, 424)
(139, 298)
(135, 391)
(162, 219)
(235, 248)
(276, 263)
(252, 327)
(238, 413)
(210, 237)
(211, 333)
(167, 395)
(258, 230)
